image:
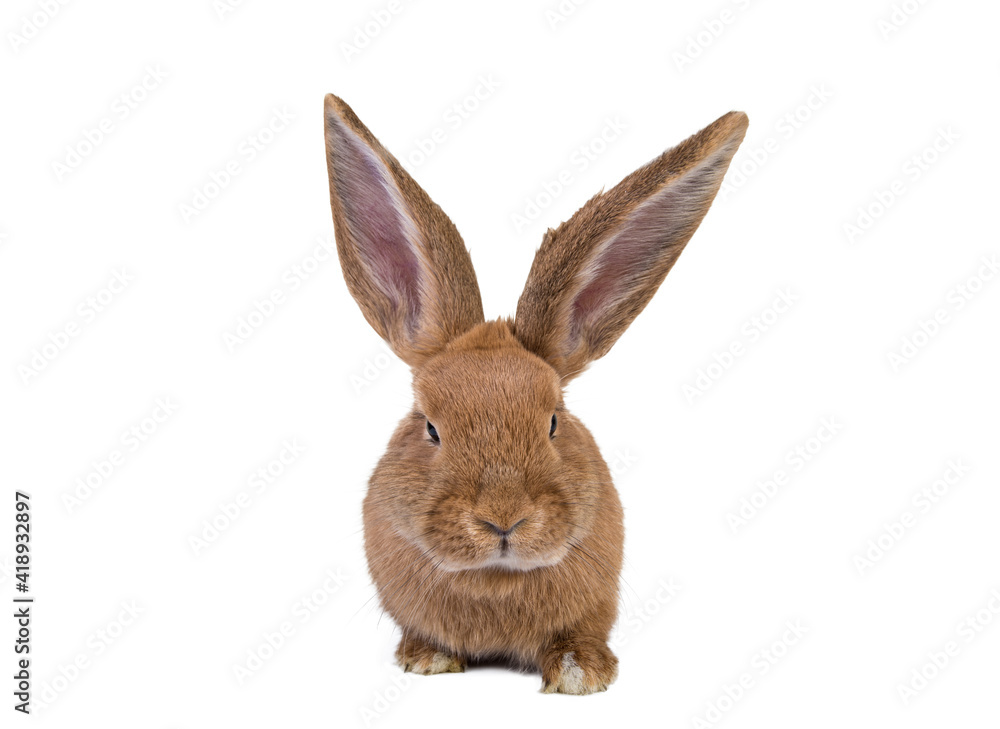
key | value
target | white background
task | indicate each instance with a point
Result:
(883, 89)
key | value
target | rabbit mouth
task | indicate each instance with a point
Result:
(507, 558)
(515, 536)
(512, 562)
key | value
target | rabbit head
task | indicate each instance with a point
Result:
(491, 523)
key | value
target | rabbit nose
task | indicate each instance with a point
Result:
(499, 531)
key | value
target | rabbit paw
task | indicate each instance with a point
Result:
(413, 654)
(578, 667)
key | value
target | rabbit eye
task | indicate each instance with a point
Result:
(432, 432)
(552, 428)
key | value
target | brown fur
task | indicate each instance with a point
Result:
(499, 540)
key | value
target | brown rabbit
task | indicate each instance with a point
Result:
(492, 527)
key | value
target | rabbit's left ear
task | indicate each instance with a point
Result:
(596, 272)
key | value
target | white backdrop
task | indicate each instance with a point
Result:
(803, 423)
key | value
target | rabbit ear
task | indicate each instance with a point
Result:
(403, 260)
(594, 273)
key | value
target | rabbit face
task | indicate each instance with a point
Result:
(501, 487)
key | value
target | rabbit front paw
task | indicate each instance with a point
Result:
(578, 666)
(418, 656)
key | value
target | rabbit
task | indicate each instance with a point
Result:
(492, 529)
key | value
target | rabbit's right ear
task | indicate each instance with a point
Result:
(596, 272)
(403, 260)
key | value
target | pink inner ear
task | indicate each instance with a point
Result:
(383, 233)
(654, 234)
(619, 267)
(615, 270)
